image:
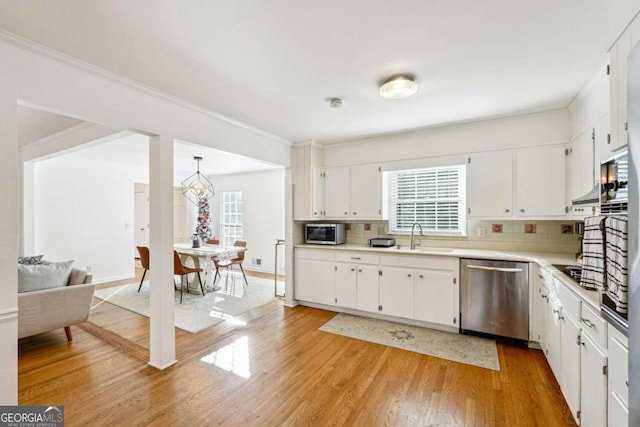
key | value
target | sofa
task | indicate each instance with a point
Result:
(52, 296)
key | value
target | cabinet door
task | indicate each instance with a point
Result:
(593, 396)
(315, 281)
(366, 190)
(540, 181)
(396, 292)
(570, 363)
(317, 192)
(490, 192)
(367, 288)
(624, 48)
(346, 290)
(553, 338)
(618, 411)
(336, 191)
(436, 297)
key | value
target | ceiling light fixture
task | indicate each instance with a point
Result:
(197, 187)
(398, 87)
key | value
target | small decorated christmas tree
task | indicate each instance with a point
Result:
(203, 228)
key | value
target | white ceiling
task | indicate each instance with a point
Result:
(272, 64)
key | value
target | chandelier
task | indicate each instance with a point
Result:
(197, 187)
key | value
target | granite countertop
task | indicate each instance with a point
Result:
(543, 259)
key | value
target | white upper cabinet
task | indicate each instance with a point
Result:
(618, 55)
(366, 191)
(353, 192)
(336, 190)
(490, 191)
(308, 189)
(540, 181)
(524, 183)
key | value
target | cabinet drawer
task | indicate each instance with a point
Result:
(594, 326)
(319, 254)
(358, 257)
(570, 303)
(421, 261)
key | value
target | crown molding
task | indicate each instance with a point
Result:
(66, 59)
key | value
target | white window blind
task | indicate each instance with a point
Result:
(231, 223)
(433, 197)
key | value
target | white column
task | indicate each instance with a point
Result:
(288, 237)
(9, 226)
(162, 333)
(27, 206)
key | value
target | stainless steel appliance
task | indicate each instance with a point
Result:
(614, 180)
(325, 234)
(494, 298)
(382, 242)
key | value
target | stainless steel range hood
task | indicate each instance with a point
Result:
(592, 198)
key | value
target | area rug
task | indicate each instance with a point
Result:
(196, 312)
(467, 349)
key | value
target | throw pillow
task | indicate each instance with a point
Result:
(77, 276)
(43, 276)
(30, 260)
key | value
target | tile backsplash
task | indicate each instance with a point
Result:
(528, 235)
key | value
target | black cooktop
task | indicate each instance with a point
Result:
(573, 271)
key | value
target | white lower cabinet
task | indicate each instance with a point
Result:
(436, 297)
(422, 287)
(573, 337)
(315, 281)
(396, 291)
(618, 405)
(593, 384)
(570, 363)
(346, 285)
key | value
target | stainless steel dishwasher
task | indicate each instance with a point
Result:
(494, 298)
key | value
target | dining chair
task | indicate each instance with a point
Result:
(214, 258)
(144, 260)
(235, 261)
(179, 269)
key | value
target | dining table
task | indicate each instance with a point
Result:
(200, 257)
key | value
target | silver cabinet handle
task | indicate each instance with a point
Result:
(421, 276)
(353, 269)
(587, 322)
(408, 275)
(355, 257)
(501, 269)
(522, 210)
(359, 271)
(346, 213)
(507, 210)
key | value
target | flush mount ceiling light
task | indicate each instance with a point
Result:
(197, 187)
(398, 87)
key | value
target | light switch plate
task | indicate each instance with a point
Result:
(481, 232)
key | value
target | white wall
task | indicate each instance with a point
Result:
(263, 199)
(550, 127)
(83, 210)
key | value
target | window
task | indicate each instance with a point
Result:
(231, 217)
(432, 197)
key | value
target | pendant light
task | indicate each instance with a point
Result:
(197, 187)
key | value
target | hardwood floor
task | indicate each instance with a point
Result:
(272, 366)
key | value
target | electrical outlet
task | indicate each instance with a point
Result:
(481, 232)
(88, 269)
(258, 261)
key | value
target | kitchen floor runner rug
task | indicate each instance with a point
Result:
(196, 312)
(467, 349)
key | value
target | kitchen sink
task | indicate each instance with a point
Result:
(419, 249)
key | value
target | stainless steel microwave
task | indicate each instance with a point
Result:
(614, 185)
(325, 234)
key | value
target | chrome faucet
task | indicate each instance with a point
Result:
(413, 236)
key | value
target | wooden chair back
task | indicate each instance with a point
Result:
(178, 268)
(213, 241)
(144, 256)
(240, 256)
